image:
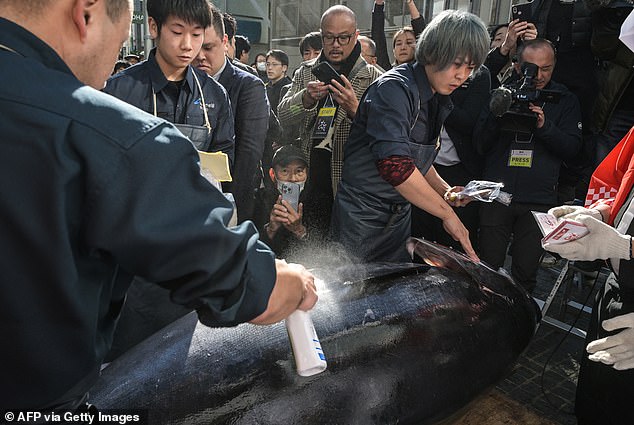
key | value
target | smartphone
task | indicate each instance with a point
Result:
(521, 11)
(290, 193)
(326, 73)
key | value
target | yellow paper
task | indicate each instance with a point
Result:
(216, 163)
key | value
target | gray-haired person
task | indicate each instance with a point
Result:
(394, 140)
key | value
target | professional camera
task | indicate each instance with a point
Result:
(510, 102)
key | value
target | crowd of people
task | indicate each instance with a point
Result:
(378, 151)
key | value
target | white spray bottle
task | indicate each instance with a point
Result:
(309, 357)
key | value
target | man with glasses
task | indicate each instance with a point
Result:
(276, 68)
(527, 158)
(324, 110)
(368, 50)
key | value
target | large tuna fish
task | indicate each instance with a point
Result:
(405, 343)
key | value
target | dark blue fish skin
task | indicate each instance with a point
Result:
(405, 343)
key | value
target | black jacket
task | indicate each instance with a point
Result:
(96, 191)
(251, 112)
(377, 33)
(559, 139)
(467, 105)
(134, 85)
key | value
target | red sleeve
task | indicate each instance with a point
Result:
(395, 169)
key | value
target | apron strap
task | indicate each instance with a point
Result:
(9, 49)
(202, 99)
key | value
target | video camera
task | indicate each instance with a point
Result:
(510, 102)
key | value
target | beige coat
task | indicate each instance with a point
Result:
(292, 112)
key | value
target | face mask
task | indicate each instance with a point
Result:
(281, 182)
(261, 66)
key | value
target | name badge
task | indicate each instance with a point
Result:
(521, 158)
(325, 119)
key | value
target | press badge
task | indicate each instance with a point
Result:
(325, 119)
(521, 158)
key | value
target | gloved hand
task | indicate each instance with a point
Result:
(602, 242)
(571, 212)
(616, 350)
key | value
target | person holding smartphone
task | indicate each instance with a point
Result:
(323, 111)
(279, 212)
(503, 52)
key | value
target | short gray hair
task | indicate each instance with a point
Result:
(451, 35)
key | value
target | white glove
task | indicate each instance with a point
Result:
(571, 212)
(616, 350)
(602, 242)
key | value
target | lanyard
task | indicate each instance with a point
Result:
(202, 99)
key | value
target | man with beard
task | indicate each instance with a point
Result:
(324, 110)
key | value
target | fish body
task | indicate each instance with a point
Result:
(404, 343)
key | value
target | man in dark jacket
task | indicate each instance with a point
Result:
(250, 109)
(276, 69)
(528, 164)
(167, 86)
(95, 191)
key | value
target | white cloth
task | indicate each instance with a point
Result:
(627, 31)
(571, 212)
(447, 155)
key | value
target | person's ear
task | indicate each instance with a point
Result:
(284, 68)
(82, 15)
(153, 26)
(272, 174)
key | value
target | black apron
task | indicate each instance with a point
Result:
(377, 218)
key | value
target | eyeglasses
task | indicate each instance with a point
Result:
(286, 173)
(342, 39)
(272, 64)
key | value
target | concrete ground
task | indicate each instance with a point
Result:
(541, 388)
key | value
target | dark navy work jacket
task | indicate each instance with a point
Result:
(134, 85)
(95, 191)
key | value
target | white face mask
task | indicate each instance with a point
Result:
(281, 182)
(261, 66)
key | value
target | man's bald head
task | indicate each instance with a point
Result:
(335, 11)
